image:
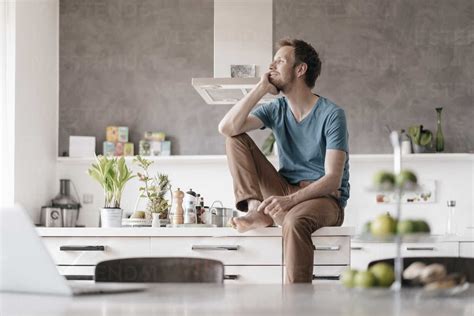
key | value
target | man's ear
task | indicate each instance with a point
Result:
(301, 69)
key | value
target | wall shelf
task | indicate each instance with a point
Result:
(369, 158)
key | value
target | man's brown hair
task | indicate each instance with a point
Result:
(304, 53)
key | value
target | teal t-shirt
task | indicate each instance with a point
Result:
(302, 145)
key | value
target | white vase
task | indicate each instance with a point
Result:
(156, 220)
(111, 217)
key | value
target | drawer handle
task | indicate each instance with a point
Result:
(231, 277)
(326, 277)
(82, 248)
(215, 247)
(326, 248)
(357, 248)
(421, 248)
(79, 277)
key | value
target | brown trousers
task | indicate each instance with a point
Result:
(254, 177)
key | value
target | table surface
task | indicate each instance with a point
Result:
(212, 299)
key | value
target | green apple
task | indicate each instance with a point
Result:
(383, 225)
(347, 277)
(406, 178)
(421, 226)
(406, 226)
(383, 274)
(364, 279)
(384, 179)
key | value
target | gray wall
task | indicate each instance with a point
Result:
(386, 62)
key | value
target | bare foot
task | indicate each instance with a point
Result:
(251, 220)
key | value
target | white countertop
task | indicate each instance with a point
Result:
(247, 300)
(180, 232)
(418, 239)
(223, 232)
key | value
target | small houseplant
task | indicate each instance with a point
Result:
(421, 139)
(269, 145)
(112, 174)
(153, 189)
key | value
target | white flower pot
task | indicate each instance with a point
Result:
(111, 217)
(156, 222)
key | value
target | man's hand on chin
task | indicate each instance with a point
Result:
(267, 85)
(276, 206)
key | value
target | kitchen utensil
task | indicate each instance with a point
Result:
(69, 216)
(220, 216)
(51, 217)
(67, 204)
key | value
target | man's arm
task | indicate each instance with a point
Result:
(328, 184)
(238, 120)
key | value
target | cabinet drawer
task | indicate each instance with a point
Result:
(466, 249)
(440, 249)
(328, 272)
(91, 250)
(332, 250)
(253, 274)
(325, 273)
(229, 250)
(364, 253)
(77, 273)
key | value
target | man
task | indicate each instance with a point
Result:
(312, 186)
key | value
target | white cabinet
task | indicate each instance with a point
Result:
(77, 273)
(363, 253)
(332, 250)
(437, 249)
(332, 255)
(229, 250)
(248, 258)
(252, 274)
(466, 249)
(90, 250)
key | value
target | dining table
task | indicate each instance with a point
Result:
(226, 299)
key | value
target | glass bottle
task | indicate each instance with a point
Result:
(405, 143)
(439, 140)
(450, 227)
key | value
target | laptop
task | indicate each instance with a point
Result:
(26, 266)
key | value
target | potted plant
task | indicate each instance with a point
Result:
(421, 139)
(112, 174)
(269, 145)
(154, 190)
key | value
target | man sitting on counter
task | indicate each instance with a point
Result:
(311, 188)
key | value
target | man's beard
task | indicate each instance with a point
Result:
(284, 85)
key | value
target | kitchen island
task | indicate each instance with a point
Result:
(255, 257)
(211, 299)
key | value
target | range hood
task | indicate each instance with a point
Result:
(243, 35)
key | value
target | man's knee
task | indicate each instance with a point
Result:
(237, 141)
(237, 138)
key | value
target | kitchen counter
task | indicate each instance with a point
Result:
(414, 238)
(213, 299)
(224, 232)
(180, 232)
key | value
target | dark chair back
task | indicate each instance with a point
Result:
(160, 270)
(452, 264)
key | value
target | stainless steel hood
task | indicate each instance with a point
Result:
(242, 36)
